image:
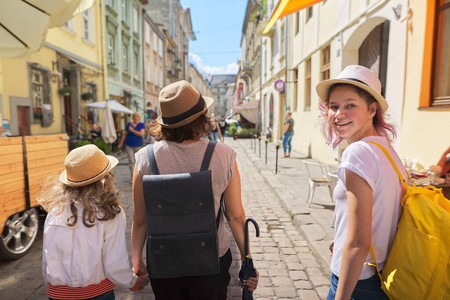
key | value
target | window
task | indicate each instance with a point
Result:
(294, 89)
(147, 33)
(440, 87)
(124, 10)
(156, 77)
(282, 41)
(147, 73)
(69, 25)
(155, 42)
(325, 64)
(135, 19)
(309, 13)
(125, 58)
(37, 94)
(87, 25)
(307, 105)
(160, 47)
(109, 3)
(297, 23)
(136, 65)
(111, 52)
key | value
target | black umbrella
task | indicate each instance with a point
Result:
(247, 269)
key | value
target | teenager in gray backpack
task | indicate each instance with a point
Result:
(180, 149)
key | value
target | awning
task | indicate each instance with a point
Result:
(287, 7)
(24, 24)
(248, 110)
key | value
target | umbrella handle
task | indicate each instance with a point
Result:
(246, 233)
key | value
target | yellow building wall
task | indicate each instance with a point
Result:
(327, 20)
(74, 41)
(356, 7)
(424, 131)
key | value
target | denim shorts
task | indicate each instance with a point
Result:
(367, 289)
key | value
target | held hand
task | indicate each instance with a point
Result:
(145, 281)
(140, 268)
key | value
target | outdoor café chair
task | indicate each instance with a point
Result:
(318, 176)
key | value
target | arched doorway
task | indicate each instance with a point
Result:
(373, 52)
(271, 111)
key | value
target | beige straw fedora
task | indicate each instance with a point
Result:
(180, 104)
(85, 165)
(358, 76)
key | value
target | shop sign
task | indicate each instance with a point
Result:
(279, 85)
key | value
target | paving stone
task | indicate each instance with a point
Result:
(298, 275)
(287, 292)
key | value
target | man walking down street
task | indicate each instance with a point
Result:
(223, 127)
(288, 132)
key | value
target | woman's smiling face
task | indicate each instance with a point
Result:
(349, 113)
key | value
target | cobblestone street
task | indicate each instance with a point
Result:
(287, 254)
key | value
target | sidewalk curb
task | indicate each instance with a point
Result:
(302, 217)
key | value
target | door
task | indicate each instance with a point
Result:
(373, 52)
(22, 120)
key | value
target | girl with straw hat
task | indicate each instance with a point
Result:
(84, 252)
(369, 192)
(180, 148)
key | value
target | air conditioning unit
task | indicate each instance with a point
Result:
(170, 72)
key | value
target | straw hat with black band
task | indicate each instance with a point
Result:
(358, 76)
(85, 165)
(180, 104)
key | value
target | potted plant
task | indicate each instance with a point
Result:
(87, 96)
(65, 90)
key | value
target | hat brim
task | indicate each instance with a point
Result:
(113, 161)
(323, 87)
(208, 102)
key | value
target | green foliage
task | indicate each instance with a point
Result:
(246, 133)
(232, 129)
(102, 145)
(65, 90)
(87, 96)
(82, 143)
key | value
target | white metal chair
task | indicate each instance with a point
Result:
(334, 179)
(318, 176)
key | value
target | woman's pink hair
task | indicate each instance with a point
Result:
(381, 127)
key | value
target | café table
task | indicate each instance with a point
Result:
(424, 181)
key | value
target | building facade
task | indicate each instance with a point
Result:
(154, 67)
(403, 42)
(124, 56)
(177, 21)
(47, 92)
(222, 88)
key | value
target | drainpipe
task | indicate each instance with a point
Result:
(260, 127)
(102, 47)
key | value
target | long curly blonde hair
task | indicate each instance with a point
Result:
(100, 199)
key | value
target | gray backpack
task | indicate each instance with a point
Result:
(181, 223)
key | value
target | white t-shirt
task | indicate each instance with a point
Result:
(370, 163)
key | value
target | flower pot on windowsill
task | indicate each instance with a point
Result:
(87, 96)
(66, 90)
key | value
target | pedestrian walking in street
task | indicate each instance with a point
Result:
(215, 133)
(223, 127)
(368, 192)
(288, 133)
(180, 148)
(133, 138)
(84, 250)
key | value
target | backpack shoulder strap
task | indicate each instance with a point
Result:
(151, 158)
(392, 162)
(208, 155)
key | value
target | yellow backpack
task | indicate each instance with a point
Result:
(418, 265)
